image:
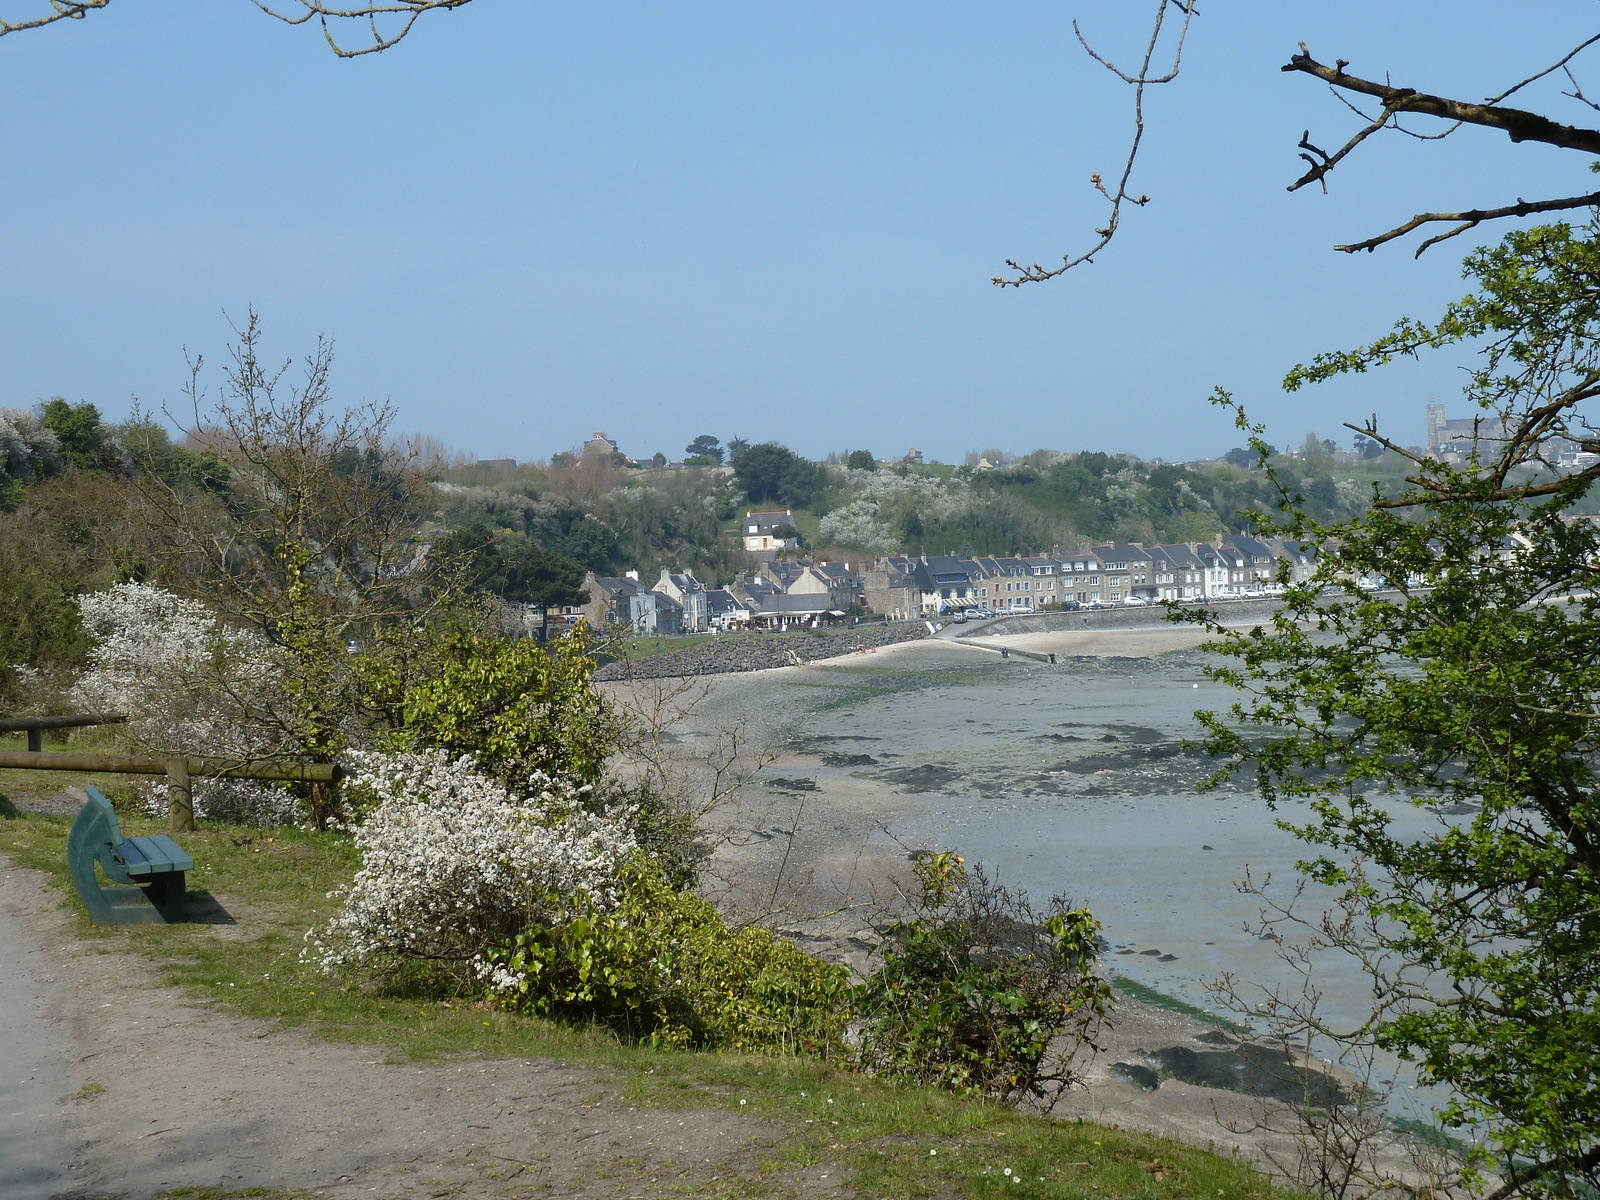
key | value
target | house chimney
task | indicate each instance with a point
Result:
(633, 575)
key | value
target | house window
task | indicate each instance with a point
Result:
(1116, 595)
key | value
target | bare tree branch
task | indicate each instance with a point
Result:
(405, 13)
(401, 15)
(1138, 80)
(1470, 218)
(1518, 124)
(59, 10)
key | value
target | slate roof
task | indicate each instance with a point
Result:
(765, 522)
(810, 602)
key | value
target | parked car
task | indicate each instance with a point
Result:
(1135, 602)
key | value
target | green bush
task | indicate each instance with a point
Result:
(978, 992)
(662, 967)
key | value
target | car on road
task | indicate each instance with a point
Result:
(1135, 602)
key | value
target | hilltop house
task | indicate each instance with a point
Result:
(769, 532)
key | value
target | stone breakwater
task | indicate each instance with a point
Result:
(1228, 612)
(725, 654)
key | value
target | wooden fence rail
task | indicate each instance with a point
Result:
(34, 727)
(180, 800)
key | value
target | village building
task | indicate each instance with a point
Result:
(769, 533)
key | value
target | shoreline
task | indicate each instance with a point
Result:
(819, 854)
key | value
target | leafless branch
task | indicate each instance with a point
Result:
(401, 15)
(404, 12)
(1520, 446)
(1470, 218)
(1577, 91)
(59, 10)
(1518, 124)
(1138, 80)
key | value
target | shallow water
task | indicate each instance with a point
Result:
(1075, 779)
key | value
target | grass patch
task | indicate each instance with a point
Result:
(884, 1139)
(1148, 995)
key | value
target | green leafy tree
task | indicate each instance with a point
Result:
(84, 437)
(705, 446)
(861, 460)
(1471, 692)
(517, 708)
(768, 472)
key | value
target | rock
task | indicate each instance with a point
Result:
(1142, 1078)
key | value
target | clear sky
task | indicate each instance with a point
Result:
(533, 220)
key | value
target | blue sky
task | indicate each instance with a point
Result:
(532, 220)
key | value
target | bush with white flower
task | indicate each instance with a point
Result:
(454, 864)
(188, 685)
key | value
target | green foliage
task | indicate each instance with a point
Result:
(81, 432)
(41, 574)
(1474, 694)
(664, 968)
(705, 447)
(517, 708)
(979, 993)
(861, 460)
(768, 472)
(513, 568)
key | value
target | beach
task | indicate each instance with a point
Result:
(1071, 779)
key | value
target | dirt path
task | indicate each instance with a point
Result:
(197, 1097)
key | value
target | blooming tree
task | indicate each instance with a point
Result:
(188, 685)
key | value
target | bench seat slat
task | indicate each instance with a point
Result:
(152, 855)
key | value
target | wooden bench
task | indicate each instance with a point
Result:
(153, 867)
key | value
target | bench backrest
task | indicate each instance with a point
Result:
(95, 833)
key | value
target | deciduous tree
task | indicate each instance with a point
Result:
(1471, 690)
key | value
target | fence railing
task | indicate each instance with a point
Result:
(179, 770)
(34, 727)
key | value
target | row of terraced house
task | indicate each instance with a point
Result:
(1228, 568)
(797, 594)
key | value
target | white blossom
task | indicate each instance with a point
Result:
(453, 863)
(27, 448)
(188, 685)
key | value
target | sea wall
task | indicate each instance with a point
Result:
(724, 654)
(1229, 612)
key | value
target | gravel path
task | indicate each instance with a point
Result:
(37, 1134)
(118, 1087)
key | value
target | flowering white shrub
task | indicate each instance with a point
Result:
(187, 685)
(867, 522)
(453, 864)
(27, 448)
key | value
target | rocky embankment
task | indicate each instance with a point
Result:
(1227, 612)
(757, 652)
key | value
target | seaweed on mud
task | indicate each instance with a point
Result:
(927, 778)
(849, 760)
(783, 784)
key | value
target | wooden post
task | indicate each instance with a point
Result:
(180, 800)
(35, 740)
